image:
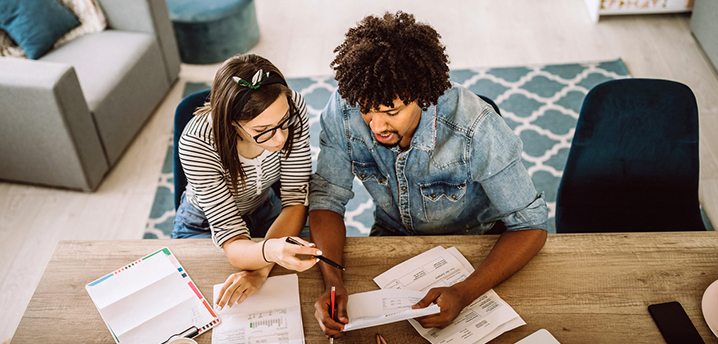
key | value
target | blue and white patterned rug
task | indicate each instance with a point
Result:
(540, 103)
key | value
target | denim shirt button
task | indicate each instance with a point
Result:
(401, 159)
(361, 176)
(433, 195)
(403, 188)
(453, 196)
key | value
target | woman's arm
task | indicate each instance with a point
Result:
(246, 254)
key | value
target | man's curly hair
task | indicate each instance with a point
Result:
(394, 56)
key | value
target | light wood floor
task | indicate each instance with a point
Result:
(299, 36)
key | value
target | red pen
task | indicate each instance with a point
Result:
(334, 294)
(333, 298)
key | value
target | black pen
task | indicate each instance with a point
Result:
(322, 258)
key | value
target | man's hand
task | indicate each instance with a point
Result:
(450, 302)
(239, 286)
(322, 312)
(511, 252)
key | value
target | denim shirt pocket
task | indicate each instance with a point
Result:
(442, 200)
(375, 182)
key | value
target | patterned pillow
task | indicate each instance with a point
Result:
(91, 19)
(8, 47)
(88, 12)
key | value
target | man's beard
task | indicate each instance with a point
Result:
(392, 145)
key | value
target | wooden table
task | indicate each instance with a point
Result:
(583, 288)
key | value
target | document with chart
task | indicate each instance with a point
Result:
(483, 320)
(271, 315)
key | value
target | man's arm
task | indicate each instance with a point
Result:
(328, 232)
(510, 254)
(495, 160)
(330, 188)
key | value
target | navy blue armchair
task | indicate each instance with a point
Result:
(633, 164)
(185, 111)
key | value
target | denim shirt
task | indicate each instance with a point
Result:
(461, 172)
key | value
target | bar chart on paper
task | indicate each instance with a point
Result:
(268, 319)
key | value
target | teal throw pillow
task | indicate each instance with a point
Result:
(35, 25)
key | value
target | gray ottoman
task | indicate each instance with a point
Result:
(212, 31)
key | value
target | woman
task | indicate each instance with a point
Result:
(253, 133)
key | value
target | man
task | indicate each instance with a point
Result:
(435, 158)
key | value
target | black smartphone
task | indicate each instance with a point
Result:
(674, 324)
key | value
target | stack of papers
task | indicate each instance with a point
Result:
(485, 319)
(271, 315)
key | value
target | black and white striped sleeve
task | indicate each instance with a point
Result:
(205, 173)
(296, 169)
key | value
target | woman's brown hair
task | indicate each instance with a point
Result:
(223, 97)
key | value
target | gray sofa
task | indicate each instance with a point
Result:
(66, 118)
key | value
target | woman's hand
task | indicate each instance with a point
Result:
(239, 286)
(284, 253)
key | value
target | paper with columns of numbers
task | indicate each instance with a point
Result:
(483, 320)
(271, 315)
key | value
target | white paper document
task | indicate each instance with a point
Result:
(485, 319)
(385, 306)
(151, 299)
(541, 336)
(271, 315)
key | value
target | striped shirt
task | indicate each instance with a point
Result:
(209, 185)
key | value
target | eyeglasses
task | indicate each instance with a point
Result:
(269, 133)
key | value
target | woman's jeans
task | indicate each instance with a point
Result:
(191, 223)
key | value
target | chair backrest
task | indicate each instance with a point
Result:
(183, 114)
(491, 102)
(633, 163)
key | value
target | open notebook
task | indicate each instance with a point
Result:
(151, 300)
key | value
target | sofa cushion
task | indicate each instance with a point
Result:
(123, 78)
(35, 25)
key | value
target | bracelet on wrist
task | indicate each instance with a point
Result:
(263, 256)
